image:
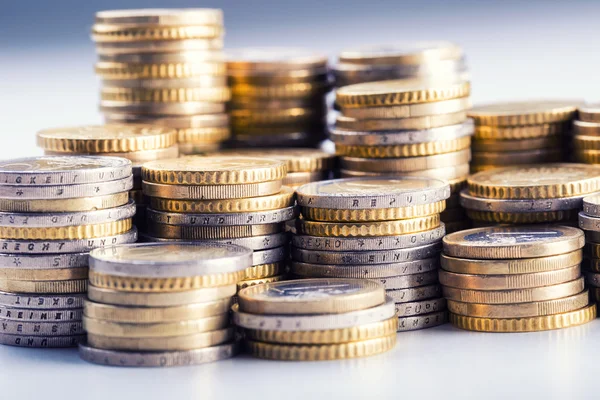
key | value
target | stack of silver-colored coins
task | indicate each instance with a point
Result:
(589, 221)
(53, 211)
(382, 229)
(165, 67)
(277, 97)
(162, 304)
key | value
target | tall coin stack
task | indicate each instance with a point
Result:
(589, 221)
(382, 229)
(520, 133)
(316, 319)
(165, 67)
(515, 279)
(405, 128)
(53, 211)
(530, 194)
(162, 304)
(238, 200)
(586, 138)
(277, 97)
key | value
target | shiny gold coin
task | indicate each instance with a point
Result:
(246, 118)
(409, 111)
(405, 150)
(413, 164)
(264, 270)
(212, 232)
(523, 113)
(67, 232)
(180, 95)
(517, 157)
(520, 132)
(282, 91)
(167, 70)
(524, 217)
(131, 33)
(211, 192)
(206, 135)
(493, 145)
(63, 274)
(586, 128)
(47, 287)
(296, 159)
(587, 156)
(586, 143)
(415, 123)
(259, 281)
(366, 229)
(373, 214)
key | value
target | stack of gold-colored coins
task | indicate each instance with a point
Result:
(407, 128)
(162, 304)
(382, 229)
(137, 143)
(53, 211)
(530, 194)
(316, 319)
(520, 133)
(589, 221)
(165, 67)
(277, 97)
(586, 138)
(515, 279)
(238, 200)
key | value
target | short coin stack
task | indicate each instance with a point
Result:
(586, 138)
(162, 304)
(238, 200)
(520, 133)
(53, 211)
(530, 194)
(277, 97)
(316, 319)
(515, 279)
(589, 221)
(382, 229)
(165, 67)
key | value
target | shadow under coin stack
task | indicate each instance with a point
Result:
(162, 304)
(277, 97)
(547, 193)
(589, 221)
(237, 200)
(520, 133)
(316, 319)
(586, 138)
(382, 229)
(165, 67)
(515, 279)
(53, 211)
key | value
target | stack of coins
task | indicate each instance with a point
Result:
(237, 200)
(421, 60)
(53, 211)
(165, 67)
(162, 304)
(589, 221)
(515, 279)
(382, 229)
(277, 97)
(520, 133)
(586, 138)
(529, 194)
(316, 319)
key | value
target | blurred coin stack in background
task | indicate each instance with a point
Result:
(316, 319)
(515, 279)
(382, 229)
(165, 67)
(521, 133)
(53, 211)
(162, 304)
(137, 143)
(589, 221)
(529, 194)
(277, 97)
(586, 138)
(237, 200)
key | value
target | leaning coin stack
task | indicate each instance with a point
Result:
(382, 229)
(586, 138)
(162, 304)
(530, 194)
(165, 67)
(238, 200)
(589, 221)
(53, 211)
(520, 133)
(316, 319)
(277, 97)
(515, 279)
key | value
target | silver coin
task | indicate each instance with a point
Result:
(63, 170)
(37, 261)
(45, 328)
(422, 321)
(415, 294)
(49, 341)
(519, 206)
(409, 281)
(158, 358)
(592, 278)
(42, 302)
(67, 219)
(313, 322)
(269, 256)
(591, 205)
(589, 223)
(254, 243)
(253, 218)
(365, 271)
(369, 244)
(366, 257)
(11, 246)
(372, 192)
(420, 307)
(34, 315)
(170, 259)
(20, 192)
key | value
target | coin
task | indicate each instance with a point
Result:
(270, 256)
(380, 228)
(81, 204)
(254, 218)
(213, 232)
(589, 112)
(137, 157)
(57, 274)
(365, 257)
(415, 308)
(205, 81)
(581, 128)
(296, 159)
(409, 53)
(591, 206)
(414, 294)
(46, 192)
(405, 150)
(410, 110)
(181, 109)
(408, 281)
(447, 173)
(526, 157)
(522, 218)
(35, 315)
(414, 123)
(273, 59)
(422, 321)
(369, 271)
(210, 192)
(132, 33)
(44, 328)
(523, 113)
(267, 270)
(254, 243)
(42, 302)
(371, 215)
(51, 341)
(405, 164)
(519, 206)
(67, 232)
(516, 145)
(199, 16)
(520, 132)
(296, 179)
(41, 262)
(43, 287)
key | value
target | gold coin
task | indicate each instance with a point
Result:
(167, 70)
(203, 135)
(417, 53)
(321, 352)
(374, 214)
(136, 157)
(494, 145)
(259, 61)
(415, 123)
(297, 179)
(517, 157)
(520, 132)
(409, 111)
(180, 95)
(524, 217)
(586, 128)
(412, 164)
(63, 274)
(587, 156)
(405, 150)
(211, 192)
(246, 118)
(259, 281)
(212, 232)
(585, 143)
(117, 33)
(296, 159)
(399, 92)
(264, 270)
(170, 299)
(589, 113)
(47, 287)
(67, 232)
(309, 75)
(523, 113)
(156, 51)
(527, 324)
(366, 229)
(536, 182)
(281, 91)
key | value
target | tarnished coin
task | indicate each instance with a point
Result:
(297, 159)
(44, 192)
(48, 341)
(254, 243)
(364, 271)
(44, 328)
(523, 113)
(591, 206)
(505, 242)
(170, 259)
(42, 261)
(409, 295)
(421, 307)
(422, 321)
(251, 218)
(39, 315)
(519, 206)
(408, 53)
(211, 192)
(411, 164)
(42, 301)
